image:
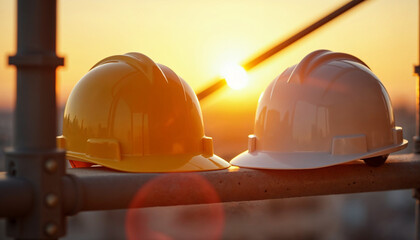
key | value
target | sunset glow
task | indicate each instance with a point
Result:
(184, 39)
(197, 38)
(235, 75)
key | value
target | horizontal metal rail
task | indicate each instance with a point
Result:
(16, 196)
(87, 189)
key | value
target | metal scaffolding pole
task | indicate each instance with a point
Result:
(416, 138)
(416, 195)
(33, 156)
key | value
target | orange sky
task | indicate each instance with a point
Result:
(196, 38)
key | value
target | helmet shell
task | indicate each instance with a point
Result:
(131, 114)
(328, 109)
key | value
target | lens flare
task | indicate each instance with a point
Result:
(206, 223)
(235, 75)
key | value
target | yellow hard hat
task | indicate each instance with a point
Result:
(328, 109)
(130, 114)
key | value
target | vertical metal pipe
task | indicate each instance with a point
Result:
(36, 61)
(417, 219)
(416, 195)
(33, 156)
(416, 138)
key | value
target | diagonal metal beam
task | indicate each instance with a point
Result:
(253, 62)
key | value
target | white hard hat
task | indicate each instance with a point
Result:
(328, 109)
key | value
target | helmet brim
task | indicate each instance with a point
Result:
(157, 164)
(304, 160)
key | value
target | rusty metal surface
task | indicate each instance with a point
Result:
(106, 189)
(87, 189)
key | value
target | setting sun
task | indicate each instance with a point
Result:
(235, 75)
